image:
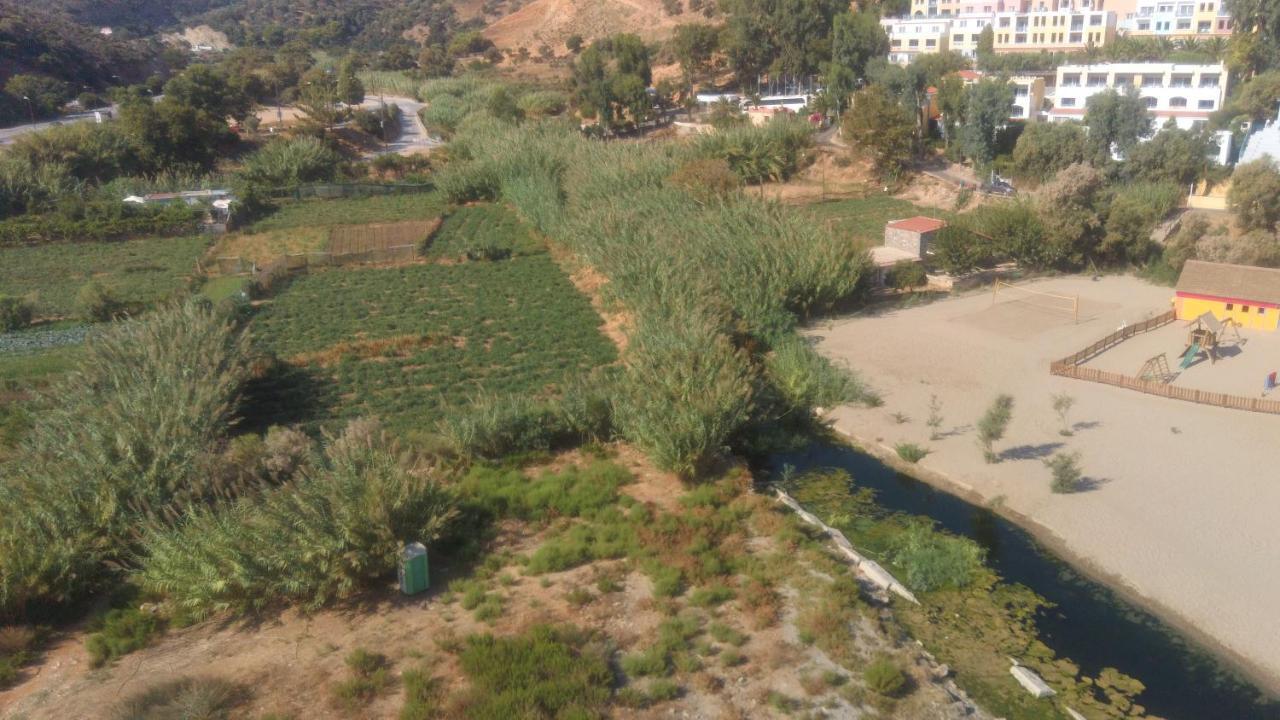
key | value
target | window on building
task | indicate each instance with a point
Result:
(930, 43)
(1165, 8)
(1205, 105)
(1244, 308)
(1230, 306)
(1097, 81)
(1004, 22)
(1204, 27)
(975, 38)
(1186, 10)
(1144, 25)
(1180, 81)
(957, 39)
(1067, 102)
(1262, 311)
(1071, 81)
(1208, 81)
(913, 43)
(1095, 19)
(1178, 102)
(1122, 79)
(1149, 101)
(1152, 81)
(1184, 24)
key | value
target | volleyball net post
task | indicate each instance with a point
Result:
(1052, 301)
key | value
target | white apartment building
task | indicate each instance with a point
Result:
(909, 37)
(1187, 94)
(1178, 18)
(1059, 30)
(964, 32)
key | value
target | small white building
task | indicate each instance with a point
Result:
(909, 37)
(1187, 94)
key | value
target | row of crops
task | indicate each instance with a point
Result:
(479, 228)
(136, 271)
(511, 326)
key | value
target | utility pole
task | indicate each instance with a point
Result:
(30, 111)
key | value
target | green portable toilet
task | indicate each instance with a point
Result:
(414, 577)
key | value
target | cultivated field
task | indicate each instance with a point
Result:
(1181, 499)
(482, 226)
(263, 247)
(352, 211)
(137, 271)
(864, 218)
(399, 343)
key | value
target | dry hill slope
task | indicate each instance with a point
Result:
(553, 21)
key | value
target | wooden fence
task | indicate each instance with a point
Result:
(1072, 366)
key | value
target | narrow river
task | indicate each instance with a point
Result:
(1090, 624)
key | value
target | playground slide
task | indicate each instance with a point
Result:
(1190, 357)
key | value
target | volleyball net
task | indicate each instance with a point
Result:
(1066, 305)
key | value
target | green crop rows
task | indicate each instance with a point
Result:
(513, 326)
(863, 219)
(137, 271)
(479, 225)
(352, 211)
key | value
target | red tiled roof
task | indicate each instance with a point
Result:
(919, 224)
(968, 74)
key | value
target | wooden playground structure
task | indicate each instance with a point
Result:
(1205, 336)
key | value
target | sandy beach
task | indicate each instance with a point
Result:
(1181, 500)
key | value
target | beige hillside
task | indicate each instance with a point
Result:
(553, 21)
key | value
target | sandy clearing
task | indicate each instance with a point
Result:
(1185, 498)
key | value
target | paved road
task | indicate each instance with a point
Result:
(413, 138)
(8, 135)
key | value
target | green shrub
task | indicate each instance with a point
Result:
(545, 672)
(572, 492)
(910, 452)
(685, 391)
(289, 163)
(493, 427)
(422, 694)
(906, 274)
(992, 424)
(183, 699)
(338, 527)
(123, 630)
(15, 313)
(725, 634)
(710, 596)
(370, 677)
(667, 581)
(16, 646)
(1067, 476)
(97, 303)
(932, 560)
(883, 677)
(124, 437)
(652, 662)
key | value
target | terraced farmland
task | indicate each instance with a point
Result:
(399, 343)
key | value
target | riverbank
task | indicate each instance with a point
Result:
(1177, 515)
(1058, 547)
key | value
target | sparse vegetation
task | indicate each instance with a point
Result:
(120, 632)
(1062, 404)
(910, 452)
(992, 425)
(545, 672)
(884, 677)
(1065, 468)
(370, 677)
(186, 698)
